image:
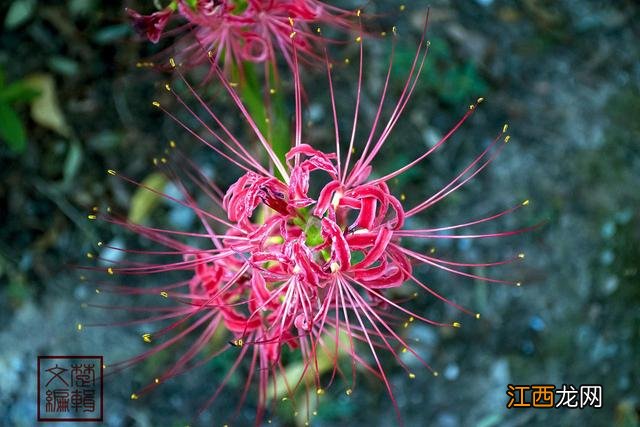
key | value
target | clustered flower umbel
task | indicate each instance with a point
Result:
(307, 258)
(233, 31)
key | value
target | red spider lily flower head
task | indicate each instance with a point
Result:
(288, 268)
(233, 32)
(150, 26)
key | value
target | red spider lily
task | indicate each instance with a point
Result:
(233, 32)
(289, 269)
(151, 26)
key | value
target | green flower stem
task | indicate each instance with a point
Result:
(266, 105)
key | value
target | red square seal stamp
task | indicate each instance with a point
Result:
(70, 388)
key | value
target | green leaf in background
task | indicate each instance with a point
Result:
(18, 92)
(82, 7)
(276, 128)
(64, 66)
(72, 163)
(12, 129)
(144, 200)
(453, 82)
(19, 12)
(45, 109)
(112, 33)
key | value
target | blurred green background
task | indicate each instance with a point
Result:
(564, 74)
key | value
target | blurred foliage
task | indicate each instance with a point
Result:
(11, 95)
(455, 82)
(147, 197)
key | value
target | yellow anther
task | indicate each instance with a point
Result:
(155, 104)
(406, 324)
(164, 294)
(167, 87)
(82, 278)
(291, 21)
(237, 343)
(319, 391)
(146, 337)
(347, 60)
(479, 100)
(525, 203)
(104, 366)
(284, 399)
(404, 350)
(472, 106)
(402, 7)
(348, 392)
(521, 255)
(403, 197)
(505, 127)
(210, 53)
(383, 33)
(272, 91)
(172, 62)
(155, 161)
(97, 291)
(134, 396)
(518, 284)
(111, 172)
(172, 144)
(411, 319)
(233, 84)
(79, 326)
(412, 375)
(415, 295)
(314, 413)
(163, 159)
(110, 271)
(507, 138)
(456, 324)
(435, 373)
(157, 380)
(477, 315)
(89, 255)
(100, 243)
(95, 209)
(91, 217)
(335, 200)
(84, 305)
(292, 35)
(318, 30)
(432, 250)
(335, 267)
(358, 39)
(358, 12)
(108, 209)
